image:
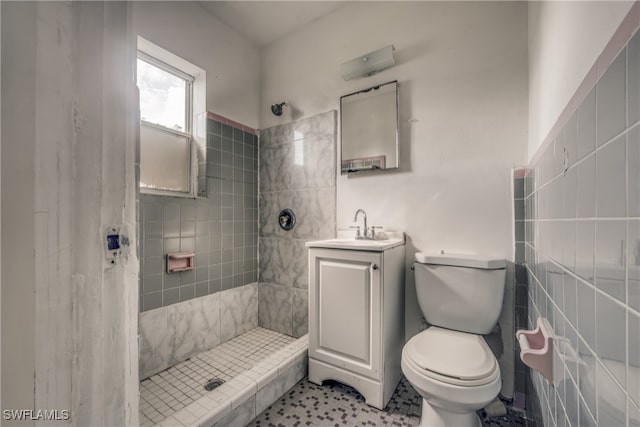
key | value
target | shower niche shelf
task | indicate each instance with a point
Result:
(180, 261)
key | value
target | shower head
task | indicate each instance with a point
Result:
(277, 108)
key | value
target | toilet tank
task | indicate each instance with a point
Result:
(460, 292)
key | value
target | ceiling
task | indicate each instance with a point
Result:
(263, 22)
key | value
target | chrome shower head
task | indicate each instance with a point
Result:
(276, 109)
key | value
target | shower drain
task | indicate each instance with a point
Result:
(213, 383)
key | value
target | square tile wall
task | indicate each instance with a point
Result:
(221, 228)
(521, 373)
(582, 250)
(297, 171)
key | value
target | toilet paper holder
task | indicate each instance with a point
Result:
(536, 348)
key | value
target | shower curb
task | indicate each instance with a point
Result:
(242, 398)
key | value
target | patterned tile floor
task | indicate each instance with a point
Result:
(163, 394)
(334, 404)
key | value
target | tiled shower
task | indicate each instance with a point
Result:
(582, 249)
(297, 171)
(194, 323)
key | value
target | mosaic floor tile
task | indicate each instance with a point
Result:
(335, 404)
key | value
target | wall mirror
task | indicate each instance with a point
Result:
(369, 129)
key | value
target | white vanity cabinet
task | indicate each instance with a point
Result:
(356, 317)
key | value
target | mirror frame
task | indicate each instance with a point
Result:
(369, 163)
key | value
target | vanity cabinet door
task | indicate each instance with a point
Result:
(345, 309)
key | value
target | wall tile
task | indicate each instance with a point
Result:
(171, 296)
(585, 242)
(170, 281)
(152, 209)
(587, 125)
(315, 211)
(610, 259)
(173, 224)
(590, 227)
(633, 385)
(154, 350)
(192, 327)
(612, 402)
(307, 128)
(171, 211)
(611, 180)
(151, 300)
(238, 311)
(274, 257)
(274, 308)
(633, 171)
(570, 190)
(571, 402)
(633, 80)
(298, 171)
(571, 139)
(633, 415)
(277, 388)
(283, 261)
(153, 247)
(300, 304)
(611, 101)
(240, 415)
(586, 199)
(187, 292)
(152, 230)
(586, 312)
(171, 245)
(275, 168)
(611, 337)
(152, 283)
(172, 334)
(587, 380)
(570, 299)
(633, 263)
(298, 164)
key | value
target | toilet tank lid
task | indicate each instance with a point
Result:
(461, 260)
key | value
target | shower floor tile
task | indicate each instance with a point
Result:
(166, 392)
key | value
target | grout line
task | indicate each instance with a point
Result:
(596, 357)
(627, 130)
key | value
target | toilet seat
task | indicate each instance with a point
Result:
(452, 357)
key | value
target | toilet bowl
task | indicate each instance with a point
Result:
(449, 364)
(455, 373)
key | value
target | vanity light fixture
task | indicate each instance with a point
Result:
(368, 64)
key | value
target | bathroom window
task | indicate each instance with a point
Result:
(166, 95)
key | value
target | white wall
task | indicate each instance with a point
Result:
(565, 39)
(462, 69)
(231, 62)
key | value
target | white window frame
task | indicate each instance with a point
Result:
(188, 133)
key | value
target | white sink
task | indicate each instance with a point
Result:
(387, 241)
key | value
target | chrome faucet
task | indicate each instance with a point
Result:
(366, 230)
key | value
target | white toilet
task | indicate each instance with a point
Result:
(450, 365)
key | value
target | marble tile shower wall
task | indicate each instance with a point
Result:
(221, 228)
(171, 334)
(582, 234)
(297, 171)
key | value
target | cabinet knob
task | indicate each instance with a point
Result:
(375, 266)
